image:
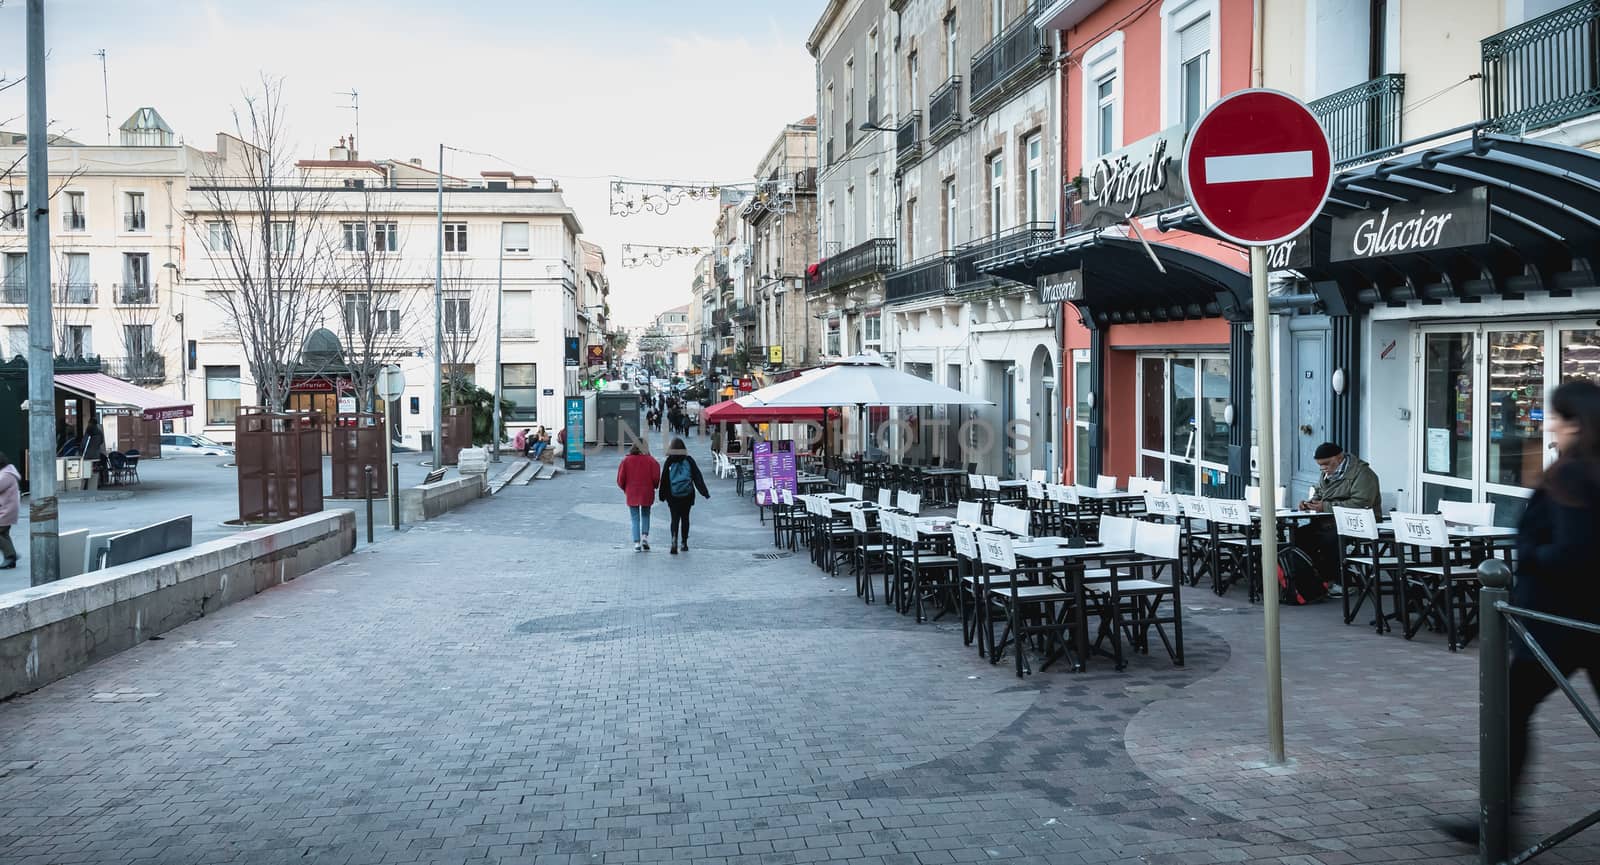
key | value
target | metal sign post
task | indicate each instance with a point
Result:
(391, 384)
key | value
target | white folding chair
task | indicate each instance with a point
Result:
(1361, 575)
(1105, 483)
(1012, 519)
(854, 491)
(911, 503)
(1467, 513)
(1442, 596)
(885, 497)
(969, 513)
(1238, 546)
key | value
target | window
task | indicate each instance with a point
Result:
(16, 211)
(79, 341)
(460, 373)
(876, 71)
(16, 340)
(849, 103)
(1102, 67)
(910, 231)
(135, 270)
(282, 237)
(357, 309)
(515, 236)
(874, 204)
(911, 73)
(872, 332)
(385, 237)
(223, 387)
(133, 211)
(519, 385)
(458, 315)
(830, 242)
(1194, 55)
(355, 236)
(219, 238)
(833, 337)
(455, 237)
(138, 340)
(16, 277)
(950, 214)
(73, 218)
(849, 216)
(950, 46)
(77, 275)
(997, 187)
(832, 124)
(998, 17)
(1034, 169)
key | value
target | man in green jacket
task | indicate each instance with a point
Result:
(1347, 482)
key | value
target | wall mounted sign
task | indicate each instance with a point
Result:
(775, 354)
(573, 349)
(1436, 222)
(1291, 254)
(1061, 287)
(597, 355)
(1141, 178)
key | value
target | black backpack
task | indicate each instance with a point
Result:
(1298, 581)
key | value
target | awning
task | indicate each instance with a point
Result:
(114, 396)
(731, 412)
(1121, 284)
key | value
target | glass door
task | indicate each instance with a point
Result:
(1449, 384)
(1183, 434)
(1081, 473)
(1515, 388)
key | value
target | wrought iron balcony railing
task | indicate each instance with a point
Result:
(133, 220)
(77, 293)
(908, 139)
(1017, 57)
(967, 275)
(928, 277)
(1363, 122)
(73, 221)
(864, 259)
(13, 292)
(148, 368)
(134, 294)
(1545, 71)
(944, 111)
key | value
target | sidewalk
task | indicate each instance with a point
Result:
(512, 683)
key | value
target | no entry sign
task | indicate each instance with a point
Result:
(1258, 167)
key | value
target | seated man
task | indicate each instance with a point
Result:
(1347, 482)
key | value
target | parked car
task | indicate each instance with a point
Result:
(195, 445)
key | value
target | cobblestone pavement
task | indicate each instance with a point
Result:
(514, 684)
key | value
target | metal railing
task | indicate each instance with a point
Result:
(944, 110)
(147, 368)
(134, 294)
(1363, 122)
(71, 221)
(929, 277)
(1498, 622)
(908, 139)
(12, 221)
(967, 256)
(864, 259)
(13, 292)
(77, 293)
(1544, 71)
(1018, 54)
(133, 220)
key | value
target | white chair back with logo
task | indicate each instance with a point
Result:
(1037, 475)
(1231, 512)
(1063, 494)
(1161, 504)
(1421, 530)
(991, 483)
(1036, 491)
(1195, 507)
(997, 550)
(858, 520)
(1355, 523)
(966, 541)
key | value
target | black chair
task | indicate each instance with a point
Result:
(1035, 610)
(1136, 595)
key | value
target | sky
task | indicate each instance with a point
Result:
(579, 90)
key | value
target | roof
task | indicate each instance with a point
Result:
(115, 396)
(145, 119)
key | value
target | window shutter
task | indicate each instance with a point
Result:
(1194, 40)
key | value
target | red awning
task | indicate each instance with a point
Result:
(731, 412)
(115, 396)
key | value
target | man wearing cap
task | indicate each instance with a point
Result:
(1347, 482)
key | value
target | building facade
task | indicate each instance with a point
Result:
(781, 215)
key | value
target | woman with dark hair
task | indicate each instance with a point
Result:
(10, 508)
(680, 478)
(1558, 546)
(636, 477)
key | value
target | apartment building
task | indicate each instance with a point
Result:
(781, 215)
(594, 308)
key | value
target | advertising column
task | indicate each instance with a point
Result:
(575, 434)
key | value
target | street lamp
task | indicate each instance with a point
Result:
(873, 127)
(183, 337)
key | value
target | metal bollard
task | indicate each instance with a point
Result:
(394, 496)
(1494, 700)
(368, 471)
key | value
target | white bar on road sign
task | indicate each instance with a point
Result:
(1250, 167)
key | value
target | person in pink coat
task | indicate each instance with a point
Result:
(11, 506)
(637, 478)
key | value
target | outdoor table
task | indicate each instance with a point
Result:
(1109, 501)
(945, 480)
(1048, 550)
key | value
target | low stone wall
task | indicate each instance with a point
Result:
(48, 632)
(427, 501)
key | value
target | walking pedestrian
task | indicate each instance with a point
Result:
(636, 477)
(10, 508)
(1558, 542)
(680, 478)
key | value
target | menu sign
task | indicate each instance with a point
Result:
(775, 470)
(1436, 222)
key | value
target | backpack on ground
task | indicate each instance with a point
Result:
(1298, 580)
(681, 478)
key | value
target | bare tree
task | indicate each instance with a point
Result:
(466, 312)
(264, 225)
(380, 306)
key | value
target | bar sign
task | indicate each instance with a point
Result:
(1061, 287)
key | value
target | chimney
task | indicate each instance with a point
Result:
(340, 153)
(415, 160)
(354, 154)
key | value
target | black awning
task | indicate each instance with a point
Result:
(1543, 224)
(1121, 283)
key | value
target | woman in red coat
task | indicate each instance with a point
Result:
(637, 478)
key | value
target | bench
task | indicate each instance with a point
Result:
(434, 477)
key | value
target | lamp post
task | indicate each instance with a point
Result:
(438, 328)
(499, 328)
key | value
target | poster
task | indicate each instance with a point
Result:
(575, 434)
(1438, 451)
(774, 466)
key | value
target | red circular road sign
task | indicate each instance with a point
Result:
(1257, 167)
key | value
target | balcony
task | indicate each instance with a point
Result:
(13, 292)
(944, 111)
(967, 256)
(133, 220)
(746, 315)
(828, 158)
(908, 140)
(73, 221)
(719, 317)
(77, 293)
(134, 294)
(862, 260)
(145, 369)
(1543, 72)
(929, 277)
(1363, 122)
(1017, 58)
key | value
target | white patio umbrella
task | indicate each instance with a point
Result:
(862, 380)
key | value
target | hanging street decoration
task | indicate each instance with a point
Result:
(641, 254)
(639, 196)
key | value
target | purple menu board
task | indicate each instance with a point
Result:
(775, 470)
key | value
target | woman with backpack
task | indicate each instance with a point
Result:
(680, 478)
(636, 477)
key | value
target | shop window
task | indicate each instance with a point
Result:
(520, 386)
(223, 387)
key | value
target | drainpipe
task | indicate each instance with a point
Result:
(1059, 320)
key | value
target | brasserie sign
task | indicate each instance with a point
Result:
(1142, 178)
(1066, 287)
(1436, 222)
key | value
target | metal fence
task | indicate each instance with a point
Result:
(1018, 53)
(279, 457)
(1544, 71)
(908, 139)
(944, 109)
(1363, 122)
(357, 443)
(925, 278)
(1499, 622)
